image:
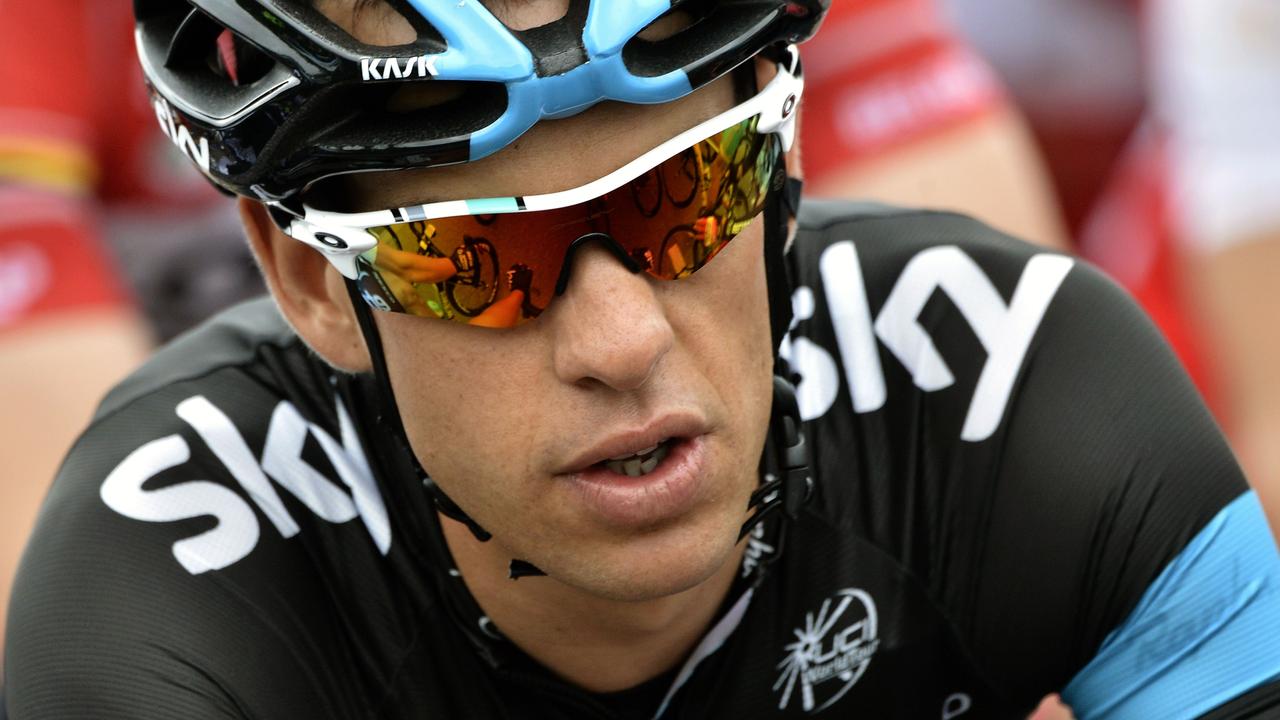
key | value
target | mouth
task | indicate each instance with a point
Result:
(640, 451)
(641, 462)
(646, 477)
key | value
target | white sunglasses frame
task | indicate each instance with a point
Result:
(343, 237)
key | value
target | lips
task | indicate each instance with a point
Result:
(629, 443)
(639, 463)
(643, 477)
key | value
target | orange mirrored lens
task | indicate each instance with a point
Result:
(501, 270)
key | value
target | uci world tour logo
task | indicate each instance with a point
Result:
(831, 651)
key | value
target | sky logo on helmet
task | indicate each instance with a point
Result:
(422, 66)
(195, 148)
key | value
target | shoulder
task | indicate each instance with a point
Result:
(1007, 424)
(163, 555)
(887, 236)
(233, 341)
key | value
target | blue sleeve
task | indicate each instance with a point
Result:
(1204, 633)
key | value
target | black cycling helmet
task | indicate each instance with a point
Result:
(269, 96)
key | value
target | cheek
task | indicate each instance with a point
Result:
(728, 338)
(464, 396)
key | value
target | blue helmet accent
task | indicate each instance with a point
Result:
(324, 103)
(479, 47)
(538, 98)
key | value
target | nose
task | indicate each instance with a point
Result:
(610, 326)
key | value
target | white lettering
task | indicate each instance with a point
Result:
(757, 550)
(164, 117)
(353, 467)
(282, 460)
(851, 315)
(1005, 331)
(421, 66)
(236, 533)
(398, 68)
(178, 134)
(222, 437)
(196, 150)
(820, 380)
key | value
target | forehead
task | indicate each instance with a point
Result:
(378, 22)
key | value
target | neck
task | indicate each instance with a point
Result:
(599, 644)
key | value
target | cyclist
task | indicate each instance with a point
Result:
(621, 508)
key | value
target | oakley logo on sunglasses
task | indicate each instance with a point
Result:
(398, 68)
(332, 241)
(789, 106)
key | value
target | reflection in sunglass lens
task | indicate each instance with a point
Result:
(498, 270)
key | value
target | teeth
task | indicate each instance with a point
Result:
(645, 451)
(647, 466)
(641, 463)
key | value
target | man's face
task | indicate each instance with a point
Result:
(511, 423)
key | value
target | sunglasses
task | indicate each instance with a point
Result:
(498, 262)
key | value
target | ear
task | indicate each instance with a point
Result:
(310, 292)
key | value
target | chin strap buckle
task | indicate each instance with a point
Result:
(791, 486)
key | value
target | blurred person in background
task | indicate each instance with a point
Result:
(908, 113)
(109, 241)
(1074, 70)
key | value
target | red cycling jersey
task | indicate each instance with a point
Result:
(86, 181)
(884, 73)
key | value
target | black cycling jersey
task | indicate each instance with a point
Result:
(1018, 492)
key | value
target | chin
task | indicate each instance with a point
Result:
(666, 563)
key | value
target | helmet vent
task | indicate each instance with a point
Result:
(707, 38)
(522, 16)
(203, 46)
(378, 23)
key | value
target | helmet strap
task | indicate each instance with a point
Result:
(391, 414)
(781, 207)
(786, 480)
